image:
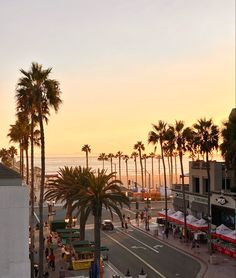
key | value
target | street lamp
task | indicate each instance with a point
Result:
(74, 220)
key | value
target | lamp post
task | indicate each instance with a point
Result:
(74, 220)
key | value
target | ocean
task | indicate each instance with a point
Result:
(53, 164)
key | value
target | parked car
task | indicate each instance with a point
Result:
(107, 225)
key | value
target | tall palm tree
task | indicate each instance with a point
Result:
(158, 156)
(12, 152)
(103, 190)
(134, 155)
(207, 136)
(126, 158)
(42, 94)
(86, 148)
(158, 136)
(119, 156)
(139, 146)
(152, 155)
(110, 156)
(65, 187)
(5, 157)
(183, 138)
(228, 146)
(175, 155)
(102, 157)
(145, 157)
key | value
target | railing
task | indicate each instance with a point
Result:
(179, 187)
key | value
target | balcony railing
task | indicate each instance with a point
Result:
(179, 187)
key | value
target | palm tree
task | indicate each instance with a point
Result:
(86, 148)
(12, 152)
(139, 146)
(119, 156)
(110, 156)
(41, 94)
(175, 155)
(144, 157)
(103, 190)
(5, 157)
(207, 136)
(158, 135)
(126, 158)
(134, 155)
(102, 157)
(183, 138)
(152, 155)
(158, 156)
(228, 146)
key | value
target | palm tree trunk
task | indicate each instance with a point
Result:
(111, 165)
(183, 192)
(168, 162)
(82, 225)
(69, 213)
(136, 171)
(141, 166)
(171, 170)
(103, 164)
(127, 176)
(159, 171)
(176, 181)
(152, 174)
(27, 165)
(32, 201)
(165, 183)
(97, 238)
(145, 172)
(209, 204)
(119, 167)
(41, 235)
(87, 159)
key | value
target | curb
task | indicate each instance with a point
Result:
(203, 264)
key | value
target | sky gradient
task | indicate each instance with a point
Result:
(122, 65)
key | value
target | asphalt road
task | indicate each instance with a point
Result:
(135, 249)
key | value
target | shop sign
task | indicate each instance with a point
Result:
(221, 200)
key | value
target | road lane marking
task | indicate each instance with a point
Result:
(142, 260)
(36, 216)
(138, 247)
(157, 246)
(139, 241)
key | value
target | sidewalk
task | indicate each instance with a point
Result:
(224, 267)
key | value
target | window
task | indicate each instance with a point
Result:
(226, 184)
(196, 185)
(205, 186)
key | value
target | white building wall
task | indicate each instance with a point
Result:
(14, 232)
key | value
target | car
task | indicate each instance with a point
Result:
(107, 225)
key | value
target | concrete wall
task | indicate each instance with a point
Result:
(14, 232)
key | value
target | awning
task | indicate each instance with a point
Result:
(89, 249)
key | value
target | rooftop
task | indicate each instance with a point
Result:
(7, 173)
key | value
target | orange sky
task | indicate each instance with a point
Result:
(125, 69)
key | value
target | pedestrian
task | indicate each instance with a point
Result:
(36, 270)
(137, 218)
(163, 234)
(63, 251)
(142, 216)
(126, 225)
(52, 261)
(193, 244)
(46, 252)
(128, 217)
(167, 232)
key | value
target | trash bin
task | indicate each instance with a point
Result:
(115, 276)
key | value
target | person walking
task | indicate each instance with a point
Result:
(52, 261)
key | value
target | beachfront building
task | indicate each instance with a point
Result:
(223, 201)
(14, 225)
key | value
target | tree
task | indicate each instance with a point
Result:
(158, 136)
(69, 182)
(139, 146)
(158, 156)
(207, 136)
(119, 156)
(110, 156)
(12, 152)
(41, 93)
(86, 148)
(103, 190)
(5, 157)
(134, 155)
(126, 158)
(228, 146)
(152, 155)
(145, 157)
(102, 157)
(183, 137)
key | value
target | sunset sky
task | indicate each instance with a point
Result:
(122, 65)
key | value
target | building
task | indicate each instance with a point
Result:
(14, 225)
(223, 201)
